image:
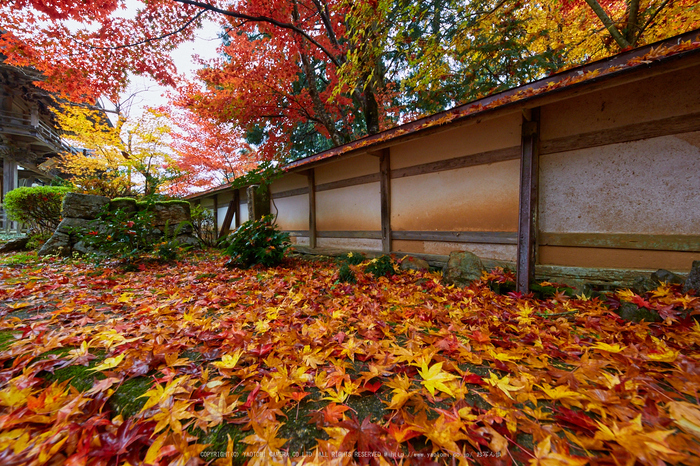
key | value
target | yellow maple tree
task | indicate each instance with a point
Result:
(120, 158)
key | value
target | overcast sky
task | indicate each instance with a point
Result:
(146, 92)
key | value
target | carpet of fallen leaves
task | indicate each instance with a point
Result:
(290, 366)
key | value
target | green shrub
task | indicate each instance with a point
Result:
(256, 242)
(346, 275)
(38, 207)
(203, 225)
(353, 258)
(381, 267)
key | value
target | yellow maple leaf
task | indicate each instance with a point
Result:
(686, 416)
(13, 396)
(109, 363)
(502, 384)
(614, 348)
(544, 456)
(401, 389)
(159, 394)
(229, 361)
(435, 378)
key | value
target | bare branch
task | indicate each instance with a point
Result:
(150, 39)
(263, 19)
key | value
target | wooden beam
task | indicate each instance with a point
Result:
(689, 243)
(289, 193)
(353, 234)
(385, 200)
(9, 170)
(527, 217)
(230, 212)
(357, 180)
(311, 177)
(627, 133)
(485, 237)
(498, 155)
(216, 212)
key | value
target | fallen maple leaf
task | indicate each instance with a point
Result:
(434, 378)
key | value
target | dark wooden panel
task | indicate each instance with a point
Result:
(487, 237)
(373, 178)
(385, 200)
(500, 155)
(297, 233)
(216, 211)
(237, 203)
(350, 234)
(634, 132)
(228, 218)
(690, 243)
(311, 177)
(290, 193)
(527, 216)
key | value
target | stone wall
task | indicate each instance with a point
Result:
(81, 212)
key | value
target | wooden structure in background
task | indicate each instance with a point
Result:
(29, 140)
(592, 173)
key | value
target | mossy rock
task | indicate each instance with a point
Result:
(631, 312)
(126, 204)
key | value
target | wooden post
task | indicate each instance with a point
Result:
(385, 200)
(216, 212)
(237, 203)
(9, 182)
(258, 201)
(527, 217)
(312, 208)
(230, 212)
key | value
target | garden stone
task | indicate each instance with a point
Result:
(414, 263)
(188, 240)
(693, 281)
(172, 214)
(74, 226)
(642, 284)
(631, 312)
(125, 205)
(462, 269)
(662, 275)
(59, 244)
(86, 206)
(17, 244)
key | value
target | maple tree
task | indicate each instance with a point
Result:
(113, 156)
(199, 364)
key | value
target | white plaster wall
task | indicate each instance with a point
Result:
(347, 168)
(221, 214)
(244, 212)
(289, 181)
(645, 187)
(350, 208)
(350, 243)
(484, 136)
(292, 212)
(479, 198)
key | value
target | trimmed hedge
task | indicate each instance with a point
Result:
(38, 207)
